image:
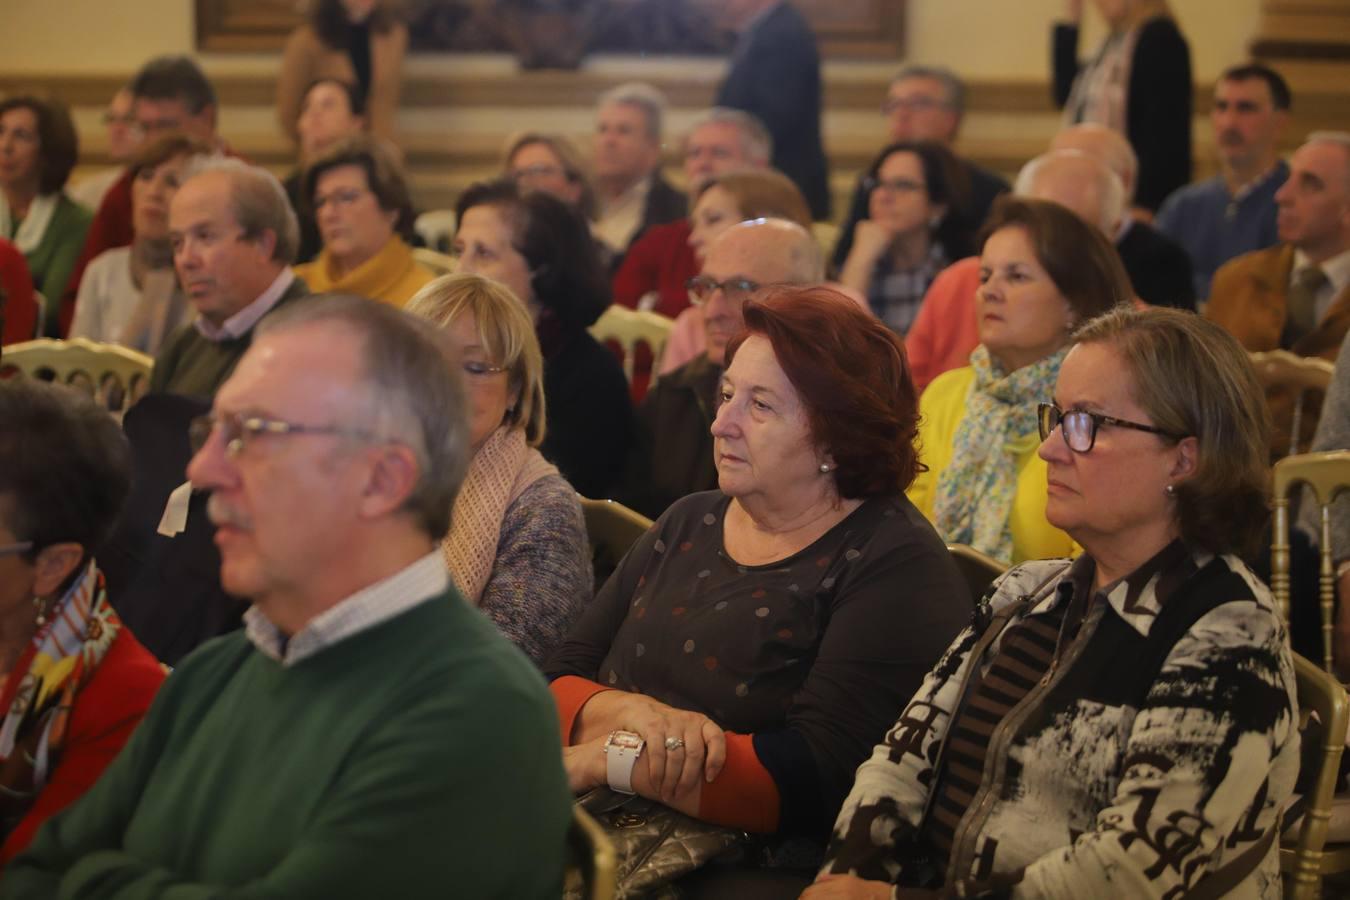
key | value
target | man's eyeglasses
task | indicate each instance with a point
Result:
(539, 170)
(341, 199)
(15, 549)
(240, 430)
(893, 185)
(1079, 427)
(736, 290)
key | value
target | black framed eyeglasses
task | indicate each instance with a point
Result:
(893, 185)
(15, 549)
(240, 430)
(1079, 427)
(736, 290)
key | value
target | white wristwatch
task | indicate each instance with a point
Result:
(622, 749)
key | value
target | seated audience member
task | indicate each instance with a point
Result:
(357, 42)
(331, 110)
(1158, 266)
(170, 93)
(1234, 212)
(1146, 684)
(632, 194)
(656, 267)
(925, 103)
(757, 638)
(18, 305)
(1296, 295)
(389, 722)
(1043, 272)
(674, 451)
(130, 295)
(946, 331)
(123, 142)
(233, 235)
(912, 232)
(360, 202)
(516, 548)
(76, 682)
(540, 248)
(38, 148)
(549, 163)
(725, 201)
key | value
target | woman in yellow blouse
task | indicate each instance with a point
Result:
(1043, 272)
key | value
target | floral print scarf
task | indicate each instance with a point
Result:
(975, 492)
(39, 692)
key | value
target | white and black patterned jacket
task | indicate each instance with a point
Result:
(1135, 771)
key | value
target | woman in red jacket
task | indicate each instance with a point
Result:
(75, 682)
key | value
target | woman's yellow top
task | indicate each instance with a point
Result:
(391, 276)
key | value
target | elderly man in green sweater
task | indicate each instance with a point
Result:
(368, 734)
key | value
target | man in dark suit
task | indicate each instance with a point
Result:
(1159, 267)
(925, 103)
(775, 75)
(627, 162)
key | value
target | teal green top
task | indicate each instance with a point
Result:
(417, 759)
(53, 259)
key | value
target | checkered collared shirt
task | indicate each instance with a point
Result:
(365, 609)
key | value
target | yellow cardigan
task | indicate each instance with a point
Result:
(942, 407)
(392, 275)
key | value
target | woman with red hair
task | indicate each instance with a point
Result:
(757, 638)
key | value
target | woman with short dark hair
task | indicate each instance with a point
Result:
(915, 227)
(75, 681)
(359, 199)
(38, 150)
(759, 638)
(1043, 272)
(1123, 724)
(542, 250)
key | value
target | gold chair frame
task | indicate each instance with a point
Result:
(596, 865)
(115, 376)
(979, 569)
(629, 328)
(434, 260)
(1304, 864)
(1280, 368)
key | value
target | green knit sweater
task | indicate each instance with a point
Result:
(419, 758)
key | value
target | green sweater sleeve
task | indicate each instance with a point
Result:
(55, 257)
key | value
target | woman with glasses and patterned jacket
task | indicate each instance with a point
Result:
(74, 682)
(1123, 724)
(916, 225)
(1043, 272)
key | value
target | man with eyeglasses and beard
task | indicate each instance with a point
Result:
(673, 455)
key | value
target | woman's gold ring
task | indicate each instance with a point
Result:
(674, 743)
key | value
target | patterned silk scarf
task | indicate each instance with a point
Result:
(975, 492)
(40, 691)
(1101, 92)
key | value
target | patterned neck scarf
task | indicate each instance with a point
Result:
(975, 492)
(39, 692)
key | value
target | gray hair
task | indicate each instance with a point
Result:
(1109, 186)
(1340, 139)
(756, 142)
(952, 85)
(415, 393)
(258, 201)
(644, 97)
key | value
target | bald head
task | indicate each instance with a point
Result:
(1106, 145)
(764, 251)
(1082, 183)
